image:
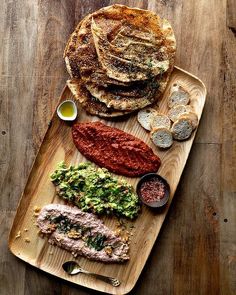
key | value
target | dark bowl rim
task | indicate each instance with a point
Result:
(157, 204)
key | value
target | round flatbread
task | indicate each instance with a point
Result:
(89, 103)
(81, 57)
(143, 45)
(132, 97)
(135, 33)
(124, 56)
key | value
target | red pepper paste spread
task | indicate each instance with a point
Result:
(152, 190)
(114, 149)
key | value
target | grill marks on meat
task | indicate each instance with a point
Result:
(114, 149)
(111, 249)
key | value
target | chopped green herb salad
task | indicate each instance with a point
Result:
(95, 190)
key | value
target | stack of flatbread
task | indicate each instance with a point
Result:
(119, 59)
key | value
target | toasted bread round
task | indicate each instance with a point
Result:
(160, 120)
(192, 117)
(178, 97)
(189, 108)
(145, 116)
(182, 129)
(162, 137)
(176, 111)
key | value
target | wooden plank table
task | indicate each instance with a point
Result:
(196, 250)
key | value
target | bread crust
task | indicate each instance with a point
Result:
(192, 117)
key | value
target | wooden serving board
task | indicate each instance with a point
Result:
(58, 146)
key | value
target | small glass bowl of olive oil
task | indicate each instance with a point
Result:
(67, 110)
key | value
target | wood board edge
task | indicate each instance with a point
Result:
(129, 286)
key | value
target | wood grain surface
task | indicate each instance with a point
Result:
(58, 146)
(196, 249)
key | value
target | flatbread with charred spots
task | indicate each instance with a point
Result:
(123, 56)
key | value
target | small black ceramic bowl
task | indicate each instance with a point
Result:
(158, 203)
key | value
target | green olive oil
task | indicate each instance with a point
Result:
(67, 109)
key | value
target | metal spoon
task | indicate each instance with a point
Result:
(73, 268)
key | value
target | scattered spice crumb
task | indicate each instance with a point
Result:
(18, 234)
(27, 240)
(117, 231)
(122, 230)
(50, 253)
(125, 237)
(39, 233)
(108, 250)
(37, 209)
(26, 229)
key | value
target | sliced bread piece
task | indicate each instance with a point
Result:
(178, 97)
(174, 87)
(189, 108)
(176, 111)
(145, 116)
(162, 137)
(160, 120)
(192, 117)
(182, 129)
